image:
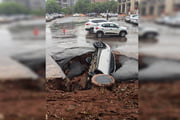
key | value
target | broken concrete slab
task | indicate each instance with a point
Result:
(71, 52)
(13, 70)
(53, 71)
(128, 70)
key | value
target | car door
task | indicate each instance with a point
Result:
(113, 29)
(106, 28)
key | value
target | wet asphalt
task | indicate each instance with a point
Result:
(77, 36)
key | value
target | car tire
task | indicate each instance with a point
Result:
(99, 34)
(150, 35)
(122, 34)
(99, 45)
(91, 30)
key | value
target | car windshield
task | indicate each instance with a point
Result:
(134, 15)
(113, 25)
(98, 21)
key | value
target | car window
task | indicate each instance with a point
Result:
(94, 21)
(98, 21)
(113, 25)
(105, 25)
(101, 21)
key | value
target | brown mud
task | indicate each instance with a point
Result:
(159, 100)
(22, 100)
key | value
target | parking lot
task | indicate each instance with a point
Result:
(76, 36)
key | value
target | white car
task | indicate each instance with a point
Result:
(89, 26)
(148, 32)
(76, 15)
(174, 21)
(162, 20)
(134, 19)
(109, 28)
(131, 17)
(49, 18)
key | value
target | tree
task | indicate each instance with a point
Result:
(10, 8)
(82, 6)
(38, 12)
(68, 10)
(52, 7)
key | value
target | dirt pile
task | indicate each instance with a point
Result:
(118, 103)
(71, 99)
(159, 100)
(21, 101)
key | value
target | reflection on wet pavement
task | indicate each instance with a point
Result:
(166, 45)
(23, 42)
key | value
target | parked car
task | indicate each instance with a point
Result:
(174, 21)
(89, 26)
(49, 18)
(148, 32)
(76, 15)
(131, 17)
(162, 20)
(134, 19)
(113, 14)
(91, 14)
(60, 15)
(109, 28)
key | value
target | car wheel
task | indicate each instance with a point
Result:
(150, 35)
(91, 30)
(122, 34)
(99, 45)
(99, 34)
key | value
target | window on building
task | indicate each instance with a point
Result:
(151, 11)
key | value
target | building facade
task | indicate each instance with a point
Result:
(66, 3)
(128, 6)
(159, 7)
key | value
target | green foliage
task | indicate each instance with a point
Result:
(84, 6)
(67, 10)
(10, 8)
(52, 7)
(38, 12)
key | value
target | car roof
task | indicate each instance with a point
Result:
(97, 19)
(107, 23)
